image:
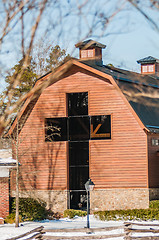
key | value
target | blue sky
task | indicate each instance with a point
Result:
(140, 40)
(128, 36)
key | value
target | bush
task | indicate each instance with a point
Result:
(11, 218)
(152, 213)
(53, 215)
(71, 213)
(30, 209)
(154, 204)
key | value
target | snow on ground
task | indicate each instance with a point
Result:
(9, 230)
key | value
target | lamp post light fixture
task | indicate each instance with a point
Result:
(89, 186)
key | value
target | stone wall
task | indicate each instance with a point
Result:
(113, 199)
(103, 199)
(55, 199)
(4, 197)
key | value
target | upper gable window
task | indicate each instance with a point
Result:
(78, 104)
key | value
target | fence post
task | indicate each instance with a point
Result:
(127, 231)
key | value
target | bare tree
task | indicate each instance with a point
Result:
(26, 17)
(12, 10)
(152, 4)
(16, 139)
(17, 174)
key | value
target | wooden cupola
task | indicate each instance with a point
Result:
(91, 50)
(149, 65)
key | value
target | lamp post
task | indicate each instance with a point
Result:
(89, 186)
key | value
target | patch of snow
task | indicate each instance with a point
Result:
(7, 160)
(5, 165)
(5, 153)
(145, 234)
(85, 234)
(9, 230)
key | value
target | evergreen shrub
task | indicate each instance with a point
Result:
(11, 218)
(71, 213)
(152, 213)
(30, 209)
(154, 204)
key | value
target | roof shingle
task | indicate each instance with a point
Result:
(148, 59)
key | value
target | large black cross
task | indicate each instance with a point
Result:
(78, 125)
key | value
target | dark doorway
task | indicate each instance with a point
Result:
(78, 173)
(79, 134)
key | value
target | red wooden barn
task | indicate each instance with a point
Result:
(92, 121)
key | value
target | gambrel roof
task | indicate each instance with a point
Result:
(140, 91)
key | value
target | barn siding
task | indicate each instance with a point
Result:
(117, 163)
